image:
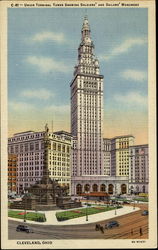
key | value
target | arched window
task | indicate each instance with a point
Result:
(95, 188)
(110, 189)
(132, 189)
(123, 189)
(87, 188)
(143, 189)
(137, 189)
(102, 188)
(78, 189)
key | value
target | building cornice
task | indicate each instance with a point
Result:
(88, 75)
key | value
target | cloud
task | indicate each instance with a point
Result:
(49, 36)
(132, 99)
(20, 106)
(60, 109)
(42, 93)
(134, 75)
(124, 47)
(47, 64)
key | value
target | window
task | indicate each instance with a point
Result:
(31, 146)
(54, 146)
(37, 146)
(16, 149)
(59, 147)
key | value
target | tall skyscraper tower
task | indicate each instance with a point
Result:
(87, 109)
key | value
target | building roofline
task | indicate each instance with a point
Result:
(25, 132)
(62, 132)
(120, 136)
(139, 145)
(85, 74)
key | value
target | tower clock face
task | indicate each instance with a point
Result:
(88, 39)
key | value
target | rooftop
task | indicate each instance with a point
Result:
(141, 145)
(95, 194)
(62, 132)
(25, 132)
(121, 136)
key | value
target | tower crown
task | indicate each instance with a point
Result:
(87, 62)
(86, 30)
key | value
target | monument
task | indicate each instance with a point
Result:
(46, 194)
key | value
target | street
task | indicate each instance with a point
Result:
(129, 228)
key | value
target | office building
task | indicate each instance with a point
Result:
(29, 148)
(12, 169)
(139, 169)
(120, 155)
(88, 171)
(107, 156)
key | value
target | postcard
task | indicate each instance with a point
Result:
(78, 127)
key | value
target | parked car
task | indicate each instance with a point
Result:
(111, 224)
(145, 212)
(12, 197)
(24, 228)
(126, 202)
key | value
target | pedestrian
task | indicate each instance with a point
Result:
(102, 229)
(141, 233)
(97, 227)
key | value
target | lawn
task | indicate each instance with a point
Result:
(28, 216)
(144, 199)
(67, 215)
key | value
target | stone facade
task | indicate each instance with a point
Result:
(12, 169)
(87, 109)
(111, 185)
(139, 169)
(120, 155)
(91, 156)
(29, 149)
(107, 156)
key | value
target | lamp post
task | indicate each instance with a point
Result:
(36, 213)
(134, 205)
(115, 198)
(87, 206)
(24, 206)
(115, 190)
(115, 209)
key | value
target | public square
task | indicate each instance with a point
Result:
(130, 220)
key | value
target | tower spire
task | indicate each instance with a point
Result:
(85, 29)
(87, 63)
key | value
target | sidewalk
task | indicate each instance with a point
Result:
(51, 218)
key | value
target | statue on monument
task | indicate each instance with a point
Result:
(46, 128)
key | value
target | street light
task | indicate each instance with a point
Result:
(115, 189)
(134, 205)
(115, 209)
(24, 206)
(36, 213)
(87, 206)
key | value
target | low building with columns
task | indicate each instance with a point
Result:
(111, 185)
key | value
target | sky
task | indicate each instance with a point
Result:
(42, 53)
